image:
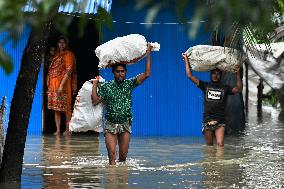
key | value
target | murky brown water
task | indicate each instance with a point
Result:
(251, 160)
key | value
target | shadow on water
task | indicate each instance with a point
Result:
(252, 159)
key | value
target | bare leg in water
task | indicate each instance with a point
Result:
(208, 135)
(123, 143)
(57, 116)
(111, 141)
(219, 133)
(68, 118)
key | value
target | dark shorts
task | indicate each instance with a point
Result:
(207, 127)
(116, 128)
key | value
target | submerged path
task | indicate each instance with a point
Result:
(253, 159)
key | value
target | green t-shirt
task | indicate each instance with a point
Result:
(118, 99)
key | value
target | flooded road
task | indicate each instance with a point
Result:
(253, 159)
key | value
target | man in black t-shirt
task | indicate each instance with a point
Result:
(215, 95)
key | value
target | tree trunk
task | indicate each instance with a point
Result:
(21, 105)
(2, 113)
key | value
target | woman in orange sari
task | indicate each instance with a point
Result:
(61, 83)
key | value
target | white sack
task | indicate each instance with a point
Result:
(127, 49)
(85, 115)
(270, 67)
(206, 58)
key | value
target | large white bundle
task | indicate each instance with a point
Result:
(85, 115)
(127, 49)
(206, 57)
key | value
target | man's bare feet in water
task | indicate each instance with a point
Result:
(56, 133)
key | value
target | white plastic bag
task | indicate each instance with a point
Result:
(85, 115)
(270, 67)
(127, 49)
(206, 58)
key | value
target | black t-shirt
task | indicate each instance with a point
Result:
(215, 96)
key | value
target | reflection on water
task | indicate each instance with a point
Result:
(253, 159)
(63, 159)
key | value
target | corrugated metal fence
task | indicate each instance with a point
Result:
(167, 104)
(79, 6)
(7, 82)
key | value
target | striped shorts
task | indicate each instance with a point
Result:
(116, 128)
(207, 127)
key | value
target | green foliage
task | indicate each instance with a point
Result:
(103, 18)
(254, 17)
(5, 61)
(219, 12)
(280, 5)
(252, 12)
(13, 19)
(242, 22)
(273, 99)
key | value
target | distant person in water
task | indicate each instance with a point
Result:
(117, 96)
(215, 95)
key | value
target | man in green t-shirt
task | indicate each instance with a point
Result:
(117, 96)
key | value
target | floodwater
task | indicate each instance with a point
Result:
(253, 159)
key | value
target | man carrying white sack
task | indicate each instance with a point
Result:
(117, 96)
(214, 102)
